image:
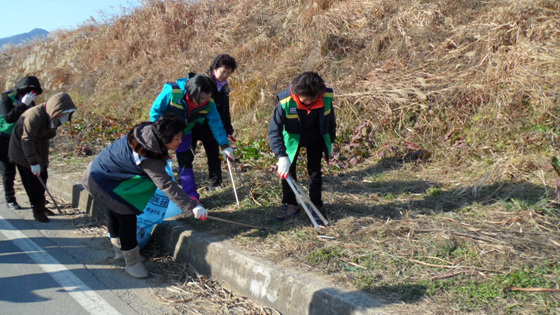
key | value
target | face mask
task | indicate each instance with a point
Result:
(57, 122)
(64, 119)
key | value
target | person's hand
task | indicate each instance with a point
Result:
(28, 98)
(36, 169)
(283, 166)
(200, 213)
(228, 154)
(232, 138)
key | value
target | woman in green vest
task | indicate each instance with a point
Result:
(303, 118)
(12, 104)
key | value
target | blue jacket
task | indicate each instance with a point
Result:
(171, 101)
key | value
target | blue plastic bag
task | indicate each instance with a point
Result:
(159, 208)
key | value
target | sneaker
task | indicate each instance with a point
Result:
(14, 205)
(215, 188)
(48, 212)
(287, 211)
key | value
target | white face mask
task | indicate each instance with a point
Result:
(64, 119)
(57, 122)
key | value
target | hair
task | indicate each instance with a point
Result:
(223, 60)
(308, 84)
(198, 84)
(167, 127)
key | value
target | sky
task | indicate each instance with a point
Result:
(22, 16)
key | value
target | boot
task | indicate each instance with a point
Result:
(188, 183)
(117, 248)
(39, 213)
(133, 262)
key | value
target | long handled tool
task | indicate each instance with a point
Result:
(235, 222)
(48, 192)
(304, 201)
(232, 181)
(243, 184)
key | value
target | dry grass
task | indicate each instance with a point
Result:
(447, 115)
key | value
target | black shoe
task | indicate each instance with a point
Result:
(48, 212)
(40, 217)
(14, 205)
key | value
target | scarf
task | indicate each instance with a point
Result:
(192, 105)
(318, 103)
(218, 83)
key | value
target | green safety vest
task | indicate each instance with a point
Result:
(291, 140)
(197, 116)
(4, 126)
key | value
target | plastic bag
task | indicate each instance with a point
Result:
(159, 207)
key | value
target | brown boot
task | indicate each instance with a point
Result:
(117, 248)
(133, 261)
(39, 213)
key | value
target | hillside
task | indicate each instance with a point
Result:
(447, 115)
(35, 34)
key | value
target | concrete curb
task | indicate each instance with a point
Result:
(264, 282)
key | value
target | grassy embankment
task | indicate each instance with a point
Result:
(440, 193)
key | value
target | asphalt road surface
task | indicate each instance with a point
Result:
(50, 268)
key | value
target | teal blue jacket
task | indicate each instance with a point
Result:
(172, 100)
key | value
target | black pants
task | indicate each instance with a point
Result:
(122, 226)
(8, 169)
(33, 187)
(203, 133)
(314, 155)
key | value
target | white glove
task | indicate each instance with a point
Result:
(28, 98)
(36, 169)
(283, 166)
(228, 153)
(200, 213)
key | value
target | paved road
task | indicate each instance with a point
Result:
(49, 268)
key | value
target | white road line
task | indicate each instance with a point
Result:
(78, 290)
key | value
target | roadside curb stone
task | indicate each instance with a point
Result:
(264, 282)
